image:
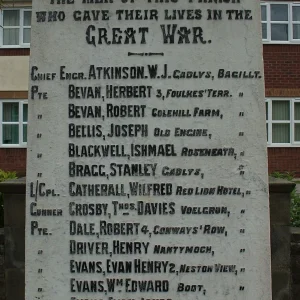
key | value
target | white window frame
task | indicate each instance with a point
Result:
(265, 22)
(292, 122)
(290, 23)
(20, 123)
(21, 28)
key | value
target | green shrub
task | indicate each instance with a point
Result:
(4, 176)
(286, 175)
(295, 209)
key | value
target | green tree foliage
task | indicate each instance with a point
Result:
(295, 209)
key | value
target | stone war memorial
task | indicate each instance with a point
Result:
(147, 171)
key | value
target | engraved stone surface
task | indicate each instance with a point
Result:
(147, 173)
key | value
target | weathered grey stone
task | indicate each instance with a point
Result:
(14, 186)
(295, 248)
(296, 278)
(281, 285)
(2, 235)
(211, 160)
(15, 284)
(278, 185)
(14, 210)
(295, 291)
(2, 269)
(295, 264)
(295, 235)
(14, 247)
(280, 208)
(280, 245)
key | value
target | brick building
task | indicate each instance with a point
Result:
(281, 51)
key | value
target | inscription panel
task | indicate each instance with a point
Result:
(147, 174)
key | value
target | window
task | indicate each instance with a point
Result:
(283, 122)
(13, 121)
(15, 25)
(280, 22)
